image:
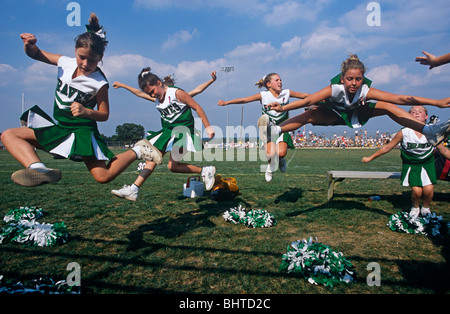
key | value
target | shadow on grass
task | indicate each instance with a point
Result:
(290, 196)
(340, 205)
(174, 226)
(416, 274)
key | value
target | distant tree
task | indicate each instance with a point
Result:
(129, 132)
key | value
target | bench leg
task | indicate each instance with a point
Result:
(332, 182)
(330, 189)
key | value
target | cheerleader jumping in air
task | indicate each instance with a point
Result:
(178, 134)
(276, 147)
(81, 99)
(418, 169)
(347, 102)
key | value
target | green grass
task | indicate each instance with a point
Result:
(165, 243)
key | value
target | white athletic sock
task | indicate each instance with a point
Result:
(137, 151)
(134, 188)
(37, 165)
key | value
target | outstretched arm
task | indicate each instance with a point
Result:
(432, 60)
(135, 91)
(443, 150)
(188, 100)
(243, 100)
(199, 89)
(33, 51)
(386, 148)
(309, 100)
(406, 100)
(298, 95)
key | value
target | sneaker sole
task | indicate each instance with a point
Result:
(31, 177)
(213, 175)
(156, 155)
(263, 122)
(444, 136)
(125, 197)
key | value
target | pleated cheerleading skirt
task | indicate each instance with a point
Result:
(418, 174)
(71, 142)
(167, 140)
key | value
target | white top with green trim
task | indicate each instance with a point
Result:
(82, 89)
(283, 99)
(340, 98)
(414, 149)
(173, 111)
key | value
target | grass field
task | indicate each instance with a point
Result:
(165, 243)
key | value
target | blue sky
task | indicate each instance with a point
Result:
(304, 41)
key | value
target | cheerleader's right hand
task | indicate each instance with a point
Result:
(28, 39)
(275, 106)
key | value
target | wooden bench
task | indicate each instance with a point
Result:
(334, 177)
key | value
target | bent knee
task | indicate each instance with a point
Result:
(103, 180)
(7, 135)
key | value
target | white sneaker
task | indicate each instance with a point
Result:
(269, 174)
(263, 127)
(34, 177)
(425, 211)
(208, 175)
(126, 192)
(148, 152)
(436, 133)
(414, 213)
(282, 164)
(267, 129)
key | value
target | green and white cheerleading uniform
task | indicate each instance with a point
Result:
(70, 137)
(177, 125)
(277, 117)
(347, 110)
(418, 167)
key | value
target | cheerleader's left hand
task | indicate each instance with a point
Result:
(210, 132)
(78, 110)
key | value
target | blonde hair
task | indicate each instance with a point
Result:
(265, 80)
(352, 62)
(424, 108)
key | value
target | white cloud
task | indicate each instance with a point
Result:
(127, 67)
(6, 68)
(325, 41)
(400, 17)
(291, 47)
(386, 74)
(289, 11)
(254, 52)
(7, 74)
(130, 65)
(40, 76)
(178, 38)
(397, 79)
(278, 12)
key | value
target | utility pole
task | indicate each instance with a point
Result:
(227, 70)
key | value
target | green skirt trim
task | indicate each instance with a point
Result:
(180, 137)
(66, 141)
(418, 174)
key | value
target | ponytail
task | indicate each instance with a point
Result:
(94, 38)
(265, 80)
